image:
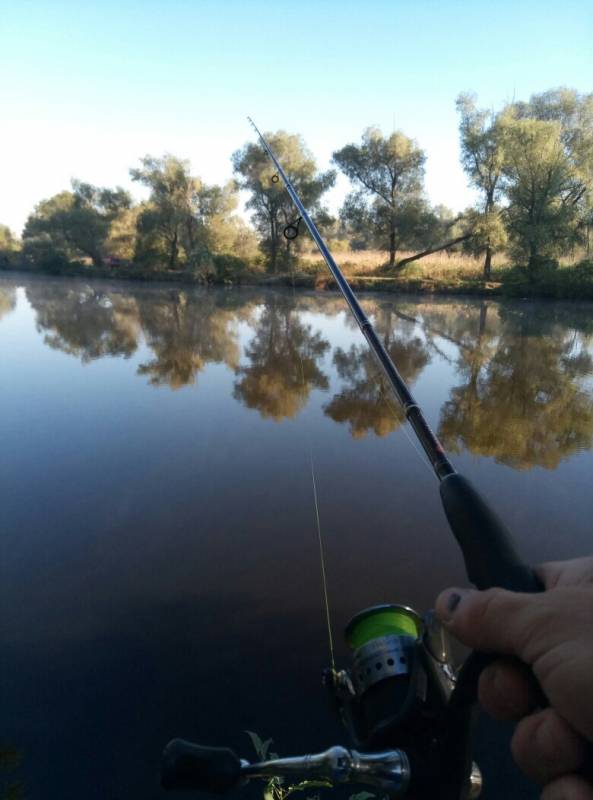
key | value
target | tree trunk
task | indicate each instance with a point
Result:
(173, 253)
(532, 263)
(273, 245)
(392, 249)
(488, 264)
(431, 250)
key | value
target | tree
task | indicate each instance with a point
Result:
(482, 160)
(574, 113)
(542, 188)
(388, 174)
(181, 222)
(9, 247)
(272, 207)
(73, 225)
(170, 223)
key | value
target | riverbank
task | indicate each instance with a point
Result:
(566, 282)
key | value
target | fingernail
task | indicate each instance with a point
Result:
(448, 602)
(453, 601)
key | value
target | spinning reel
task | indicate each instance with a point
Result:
(401, 705)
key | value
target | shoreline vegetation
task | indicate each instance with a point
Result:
(528, 233)
(454, 275)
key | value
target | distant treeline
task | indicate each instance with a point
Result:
(531, 164)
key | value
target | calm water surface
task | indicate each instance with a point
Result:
(160, 569)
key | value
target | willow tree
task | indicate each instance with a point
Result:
(482, 159)
(74, 225)
(388, 175)
(543, 190)
(179, 222)
(272, 207)
(9, 247)
(573, 112)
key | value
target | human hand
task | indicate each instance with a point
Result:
(551, 635)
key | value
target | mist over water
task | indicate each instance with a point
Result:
(160, 569)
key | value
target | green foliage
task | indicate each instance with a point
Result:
(488, 233)
(10, 759)
(539, 179)
(9, 248)
(71, 226)
(548, 174)
(272, 207)
(388, 173)
(184, 221)
(277, 788)
(531, 162)
(482, 158)
(228, 267)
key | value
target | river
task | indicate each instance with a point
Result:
(160, 571)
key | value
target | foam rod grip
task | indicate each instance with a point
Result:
(487, 546)
(190, 767)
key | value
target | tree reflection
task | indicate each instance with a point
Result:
(186, 331)
(363, 403)
(283, 366)
(7, 300)
(523, 401)
(85, 321)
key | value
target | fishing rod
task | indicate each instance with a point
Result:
(408, 712)
(486, 544)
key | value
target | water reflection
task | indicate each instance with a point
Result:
(85, 321)
(186, 332)
(160, 570)
(522, 399)
(7, 300)
(364, 402)
(283, 362)
(518, 394)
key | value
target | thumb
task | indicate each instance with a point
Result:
(494, 621)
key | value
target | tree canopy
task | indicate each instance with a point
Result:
(482, 158)
(530, 163)
(183, 216)
(388, 175)
(272, 207)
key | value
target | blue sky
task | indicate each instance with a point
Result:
(88, 88)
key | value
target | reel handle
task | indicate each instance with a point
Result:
(191, 767)
(487, 546)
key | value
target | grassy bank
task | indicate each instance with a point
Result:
(366, 271)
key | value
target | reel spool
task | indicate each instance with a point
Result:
(381, 639)
(399, 681)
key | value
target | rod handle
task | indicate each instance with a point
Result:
(487, 546)
(191, 767)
